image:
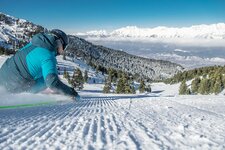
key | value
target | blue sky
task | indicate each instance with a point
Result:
(84, 15)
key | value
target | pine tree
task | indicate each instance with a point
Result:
(204, 87)
(127, 87)
(120, 86)
(86, 76)
(69, 81)
(122, 83)
(148, 88)
(97, 69)
(188, 91)
(217, 87)
(223, 81)
(142, 87)
(2, 50)
(195, 85)
(107, 87)
(77, 79)
(183, 88)
(111, 75)
(66, 74)
(133, 89)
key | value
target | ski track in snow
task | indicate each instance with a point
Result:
(112, 123)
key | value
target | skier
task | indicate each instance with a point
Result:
(33, 67)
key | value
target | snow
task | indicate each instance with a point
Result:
(162, 89)
(158, 120)
(72, 63)
(117, 123)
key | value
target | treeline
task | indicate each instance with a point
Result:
(99, 68)
(124, 83)
(205, 80)
(116, 81)
(117, 72)
(77, 80)
(191, 74)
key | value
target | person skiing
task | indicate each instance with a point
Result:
(33, 67)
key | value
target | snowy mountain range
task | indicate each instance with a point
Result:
(192, 47)
(213, 31)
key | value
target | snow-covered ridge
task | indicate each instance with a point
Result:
(15, 31)
(212, 31)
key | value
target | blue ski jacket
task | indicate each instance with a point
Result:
(33, 68)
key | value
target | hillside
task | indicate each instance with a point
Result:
(109, 58)
(16, 32)
(204, 80)
(159, 120)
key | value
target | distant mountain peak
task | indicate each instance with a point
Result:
(203, 32)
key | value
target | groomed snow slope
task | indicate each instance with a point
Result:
(117, 123)
(160, 120)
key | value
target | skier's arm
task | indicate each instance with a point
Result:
(52, 80)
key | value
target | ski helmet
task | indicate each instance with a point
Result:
(61, 36)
